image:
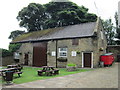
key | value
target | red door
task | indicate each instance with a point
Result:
(87, 60)
(39, 54)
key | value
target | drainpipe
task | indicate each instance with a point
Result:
(56, 53)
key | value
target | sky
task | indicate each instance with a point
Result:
(9, 10)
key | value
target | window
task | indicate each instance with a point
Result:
(62, 52)
(75, 41)
(101, 35)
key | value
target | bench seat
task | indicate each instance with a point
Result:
(56, 71)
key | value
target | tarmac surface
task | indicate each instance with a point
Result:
(106, 77)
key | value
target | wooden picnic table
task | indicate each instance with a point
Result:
(18, 66)
(15, 71)
(48, 70)
(12, 66)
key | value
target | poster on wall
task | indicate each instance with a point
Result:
(73, 53)
(53, 53)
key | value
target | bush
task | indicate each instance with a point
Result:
(71, 65)
(14, 47)
(6, 53)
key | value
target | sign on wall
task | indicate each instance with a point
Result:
(53, 53)
(16, 55)
(73, 53)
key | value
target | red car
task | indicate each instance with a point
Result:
(107, 58)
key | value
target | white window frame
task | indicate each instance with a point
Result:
(62, 52)
(83, 59)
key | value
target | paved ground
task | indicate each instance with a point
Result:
(99, 78)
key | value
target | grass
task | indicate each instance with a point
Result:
(30, 74)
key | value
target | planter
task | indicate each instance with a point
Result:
(71, 68)
(78, 52)
(62, 59)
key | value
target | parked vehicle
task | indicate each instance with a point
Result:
(107, 59)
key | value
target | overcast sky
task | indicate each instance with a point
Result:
(9, 10)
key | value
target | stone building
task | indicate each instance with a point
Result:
(115, 49)
(81, 44)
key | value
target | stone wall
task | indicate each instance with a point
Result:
(7, 60)
(51, 47)
(115, 49)
(101, 42)
(85, 45)
(26, 48)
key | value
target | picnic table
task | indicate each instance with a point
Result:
(48, 71)
(18, 66)
(15, 71)
(12, 66)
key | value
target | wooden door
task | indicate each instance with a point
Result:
(26, 59)
(40, 54)
(87, 60)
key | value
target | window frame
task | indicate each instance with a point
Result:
(62, 52)
(101, 33)
(75, 41)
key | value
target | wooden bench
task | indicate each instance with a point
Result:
(55, 71)
(40, 72)
(19, 73)
(48, 73)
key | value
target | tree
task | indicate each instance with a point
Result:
(32, 17)
(117, 29)
(14, 47)
(15, 33)
(53, 14)
(109, 31)
(5, 52)
(67, 13)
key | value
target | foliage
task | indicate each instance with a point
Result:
(15, 33)
(14, 47)
(6, 53)
(71, 65)
(32, 17)
(53, 14)
(117, 28)
(109, 31)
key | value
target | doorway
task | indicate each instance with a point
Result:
(40, 54)
(26, 59)
(87, 59)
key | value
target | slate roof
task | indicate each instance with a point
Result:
(72, 31)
